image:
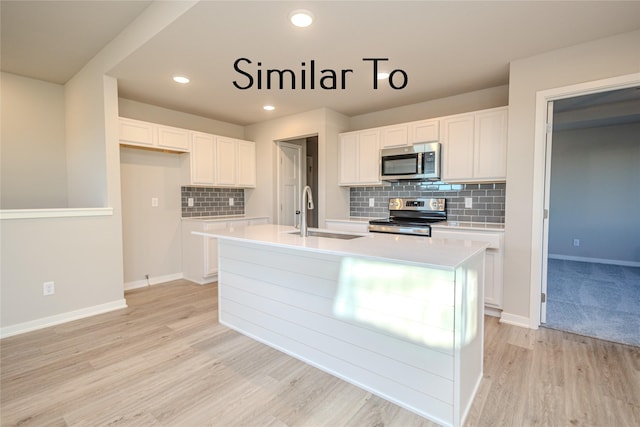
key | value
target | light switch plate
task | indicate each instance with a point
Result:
(372, 202)
(468, 202)
(154, 202)
(230, 201)
(190, 202)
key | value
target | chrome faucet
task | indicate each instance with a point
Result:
(307, 203)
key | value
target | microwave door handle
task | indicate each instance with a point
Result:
(420, 160)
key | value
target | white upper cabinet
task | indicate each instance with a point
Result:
(226, 158)
(173, 138)
(202, 158)
(475, 146)
(394, 136)
(145, 134)
(246, 164)
(424, 131)
(213, 160)
(490, 144)
(457, 147)
(359, 158)
(235, 164)
(135, 132)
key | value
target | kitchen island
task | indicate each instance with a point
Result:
(399, 316)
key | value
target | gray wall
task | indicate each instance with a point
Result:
(151, 235)
(595, 193)
(34, 165)
(600, 59)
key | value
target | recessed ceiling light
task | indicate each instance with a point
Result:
(383, 75)
(269, 107)
(181, 79)
(301, 18)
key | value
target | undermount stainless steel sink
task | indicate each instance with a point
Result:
(328, 234)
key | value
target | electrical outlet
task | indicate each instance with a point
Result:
(372, 202)
(468, 202)
(576, 242)
(154, 202)
(48, 288)
(190, 202)
(230, 201)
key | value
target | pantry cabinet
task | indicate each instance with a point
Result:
(359, 158)
(475, 146)
(151, 135)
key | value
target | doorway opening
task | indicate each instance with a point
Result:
(591, 254)
(297, 166)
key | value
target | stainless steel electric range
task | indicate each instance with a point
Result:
(411, 216)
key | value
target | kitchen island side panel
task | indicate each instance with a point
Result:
(364, 331)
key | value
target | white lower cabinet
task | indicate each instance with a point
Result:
(493, 284)
(200, 254)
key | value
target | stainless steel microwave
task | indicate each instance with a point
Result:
(413, 162)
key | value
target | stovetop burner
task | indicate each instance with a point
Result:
(411, 216)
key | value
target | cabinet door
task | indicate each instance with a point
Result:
(210, 252)
(225, 161)
(202, 158)
(246, 164)
(348, 158)
(369, 157)
(490, 155)
(493, 278)
(136, 132)
(424, 131)
(457, 145)
(394, 136)
(173, 138)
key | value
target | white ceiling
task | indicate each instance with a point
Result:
(446, 48)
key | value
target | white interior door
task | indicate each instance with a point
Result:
(290, 181)
(545, 221)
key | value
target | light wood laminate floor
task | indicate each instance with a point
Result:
(166, 361)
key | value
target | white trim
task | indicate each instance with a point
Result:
(54, 213)
(537, 230)
(596, 260)
(492, 311)
(57, 319)
(514, 319)
(136, 284)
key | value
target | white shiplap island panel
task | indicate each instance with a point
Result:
(407, 331)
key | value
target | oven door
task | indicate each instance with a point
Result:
(399, 164)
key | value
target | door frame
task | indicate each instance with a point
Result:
(539, 232)
(301, 170)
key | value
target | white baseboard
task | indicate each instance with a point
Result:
(152, 281)
(58, 319)
(596, 260)
(514, 319)
(202, 280)
(493, 312)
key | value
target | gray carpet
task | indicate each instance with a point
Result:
(596, 300)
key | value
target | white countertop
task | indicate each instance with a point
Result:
(214, 218)
(445, 254)
(462, 225)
